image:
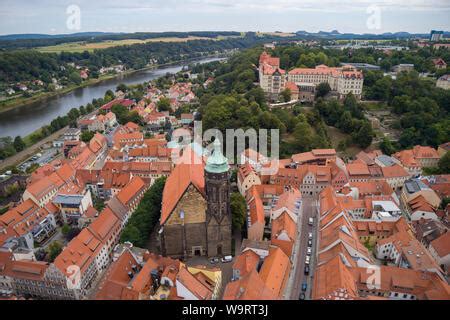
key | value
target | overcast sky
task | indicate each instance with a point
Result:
(359, 16)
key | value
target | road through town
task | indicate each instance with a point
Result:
(309, 211)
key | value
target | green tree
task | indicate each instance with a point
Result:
(345, 122)
(65, 229)
(387, 147)
(6, 147)
(131, 234)
(163, 104)
(444, 164)
(86, 136)
(82, 110)
(122, 87)
(238, 210)
(286, 95)
(19, 145)
(109, 95)
(322, 89)
(146, 216)
(99, 204)
(363, 137)
(381, 89)
(32, 168)
(75, 78)
(73, 114)
(54, 249)
(303, 136)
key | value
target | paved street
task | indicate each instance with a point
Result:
(100, 162)
(309, 210)
(28, 152)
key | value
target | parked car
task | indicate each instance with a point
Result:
(214, 260)
(311, 221)
(304, 286)
(306, 269)
(307, 260)
(227, 259)
(302, 296)
(308, 251)
(309, 243)
(310, 236)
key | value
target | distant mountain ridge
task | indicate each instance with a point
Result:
(321, 34)
(335, 34)
(50, 36)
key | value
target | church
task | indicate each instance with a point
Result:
(195, 213)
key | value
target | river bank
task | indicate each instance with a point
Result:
(29, 151)
(21, 101)
(25, 119)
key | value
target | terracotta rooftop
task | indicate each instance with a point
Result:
(196, 287)
(181, 177)
(249, 287)
(115, 282)
(334, 281)
(358, 168)
(134, 187)
(246, 262)
(394, 171)
(442, 244)
(426, 152)
(275, 271)
(256, 208)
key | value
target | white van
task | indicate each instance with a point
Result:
(227, 259)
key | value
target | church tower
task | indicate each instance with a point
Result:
(218, 212)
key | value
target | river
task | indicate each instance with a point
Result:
(25, 119)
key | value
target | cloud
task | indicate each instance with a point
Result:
(242, 15)
(236, 6)
(274, 5)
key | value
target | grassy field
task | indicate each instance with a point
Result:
(276, 34)
(83, 46)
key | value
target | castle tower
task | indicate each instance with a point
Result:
(218, 213)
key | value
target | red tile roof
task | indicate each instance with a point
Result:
(442, 244)
(421, 152)
(394, 171)
(134, 187)
(358, 168)
(275, 271)
(333, 280)
(256, 208)
(105, 225)
(196, 287)
(246, 262)
(115, 283)
(182, 176)
(249, 287)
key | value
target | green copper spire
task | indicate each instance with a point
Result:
(217, 162)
